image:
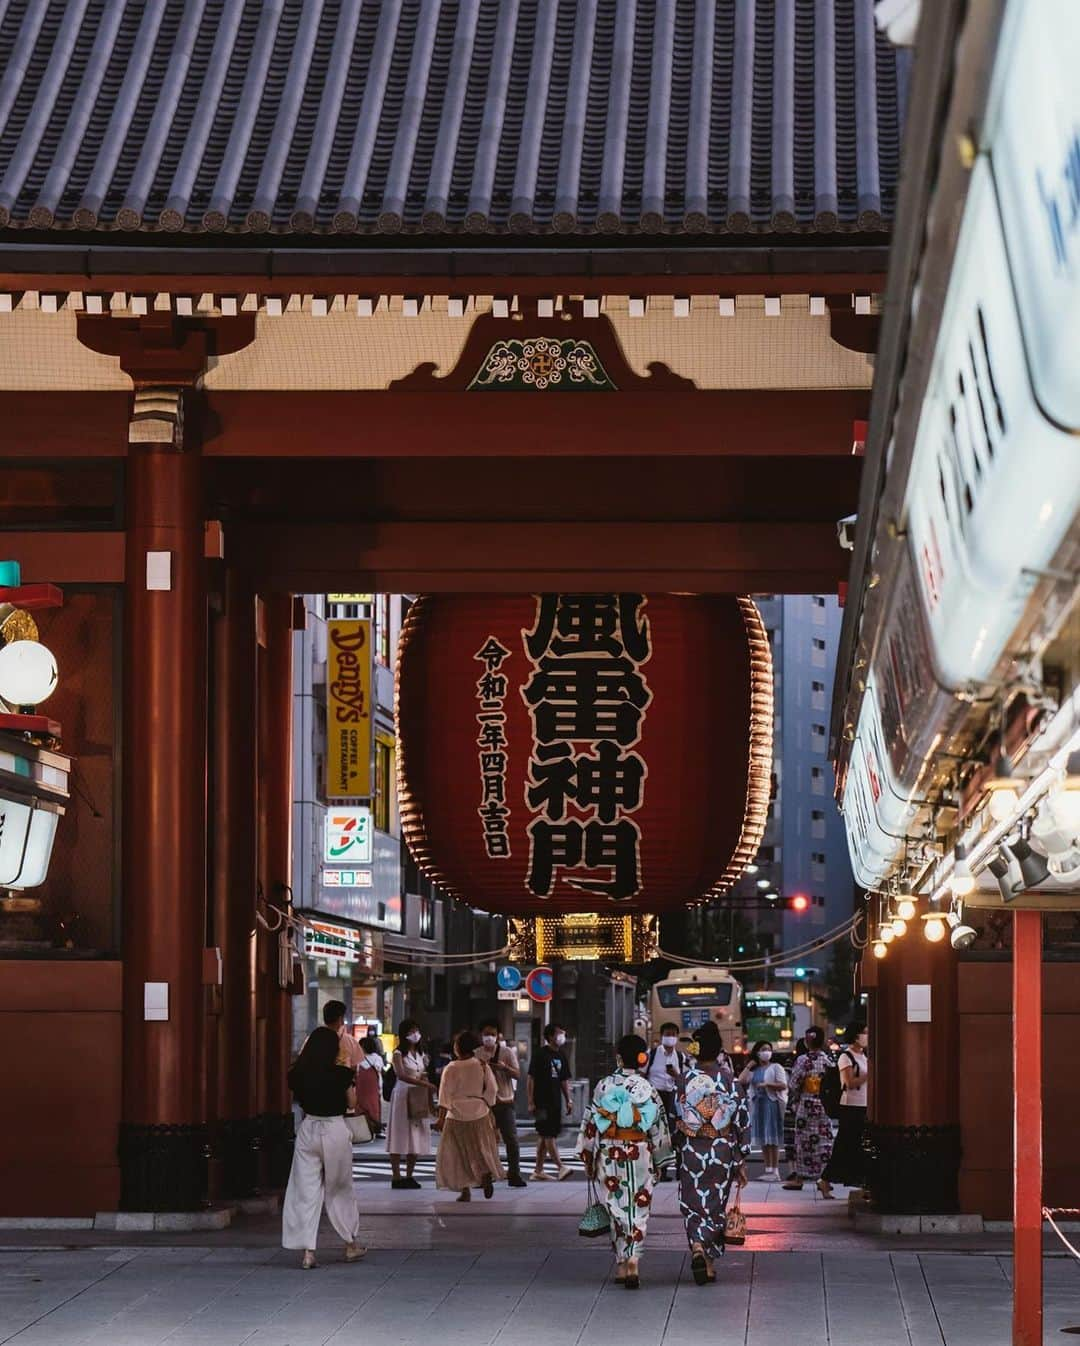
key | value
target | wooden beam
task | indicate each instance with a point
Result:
(515, 557)
(67, 557)
(742, 423)
(47, 425)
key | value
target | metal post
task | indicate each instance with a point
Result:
(1027, 1129)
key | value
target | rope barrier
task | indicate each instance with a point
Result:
(1048, 1215)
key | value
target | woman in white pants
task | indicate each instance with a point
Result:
(322, 1157)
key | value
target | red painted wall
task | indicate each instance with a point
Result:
(985, 1072)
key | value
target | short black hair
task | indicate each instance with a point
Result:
(710, 1043)
(489, 1023)
(674, 1028)
(814, 1037)
(466, 1042)
(333, 1012)
(632, 1050)
(853, 1030)
(551, 1030)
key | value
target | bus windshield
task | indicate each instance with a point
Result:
(673, 995)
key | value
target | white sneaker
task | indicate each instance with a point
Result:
(563, 1173)
(541, 1177)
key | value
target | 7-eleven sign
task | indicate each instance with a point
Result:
(348, 836)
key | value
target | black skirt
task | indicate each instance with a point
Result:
(847, 1165)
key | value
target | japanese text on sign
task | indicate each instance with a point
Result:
(491, 741)
(587, 696)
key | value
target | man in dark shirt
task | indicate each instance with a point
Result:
(549, 1089)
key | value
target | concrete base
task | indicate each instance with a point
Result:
(46, 1222)
(260, 1205)
(872, 1222)
(181, 1221)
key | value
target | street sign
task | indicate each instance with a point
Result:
(540, 983)
(508, 995)
(508, 977)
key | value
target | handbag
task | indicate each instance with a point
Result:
(595, 1222)
(735, 1223)
(418, 1101)
(359, 1128)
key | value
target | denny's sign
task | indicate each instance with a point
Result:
(348, 710)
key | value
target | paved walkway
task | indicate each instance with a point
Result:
(509, 1293)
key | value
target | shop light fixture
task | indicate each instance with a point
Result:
(28, 673)
(934, 927)
(879, 948)
(905, 908)
(962, 880)
(899, 927)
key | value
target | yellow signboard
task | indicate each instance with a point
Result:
(348, 710)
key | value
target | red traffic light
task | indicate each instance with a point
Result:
(799, 902)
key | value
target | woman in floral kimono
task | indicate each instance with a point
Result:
(713, 1140)
(813, 1130)
(623, 1128)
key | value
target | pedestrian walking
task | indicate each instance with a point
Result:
(664, 1064)
(813, 1129)
(847, 1163)
(712, 1141)
(549, 1092)
(409, 1130)
(766, 1085)
(468, 1153)
(623, 1136)
(321, 1170)
(505, 1066)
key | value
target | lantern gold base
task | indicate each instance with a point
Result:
(583, 937)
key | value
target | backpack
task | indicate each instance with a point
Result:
(831, 1090)
(389, 1079)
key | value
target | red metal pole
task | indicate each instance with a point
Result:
(1027, 1129)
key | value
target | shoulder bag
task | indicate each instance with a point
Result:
(596, 1221)
(418, 1101)
(359, 1128)
(735, 1222)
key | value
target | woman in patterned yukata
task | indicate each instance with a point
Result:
(813, 1129)
(713, 1145)
(623, 1127)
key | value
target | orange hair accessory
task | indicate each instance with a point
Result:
(642, 1058)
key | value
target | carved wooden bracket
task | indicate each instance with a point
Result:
(524, 352)
(162, 349)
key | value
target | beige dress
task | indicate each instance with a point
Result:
(469, 1148)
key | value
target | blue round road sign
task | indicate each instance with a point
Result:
(540, 983)
(508, 978)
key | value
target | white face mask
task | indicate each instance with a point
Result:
(489, 1040)
(560, 1038)
(764, 1055)
(413, 1037)
(669, 1042)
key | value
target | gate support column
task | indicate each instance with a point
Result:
(162, 1137)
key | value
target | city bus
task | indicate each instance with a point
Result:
(690, 996)
(769, 1016)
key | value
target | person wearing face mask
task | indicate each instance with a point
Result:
(503, 1060)
(663, 1067)
(847, 1164)
(549, 1092)
(409, 1131)
(765, 1082)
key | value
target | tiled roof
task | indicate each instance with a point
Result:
(448, 117)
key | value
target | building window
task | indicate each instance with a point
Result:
(818, 600)
(427, 918)
(817, 823)
(382, 629)
(817, 780)
(817, 696)
(817, 653)
(817, 737)
(817, 900)
(383, 805)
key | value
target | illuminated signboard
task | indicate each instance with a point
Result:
(348, 839)
(347, 878)
(322, 939)
(348, 709)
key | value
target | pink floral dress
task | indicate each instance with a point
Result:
(813, 1130)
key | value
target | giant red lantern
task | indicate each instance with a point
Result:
(568, 752)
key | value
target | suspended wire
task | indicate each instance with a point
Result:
(756, 964)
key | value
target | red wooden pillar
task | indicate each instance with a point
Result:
(233, 878)
(275, 868)
(162, 1141)
(914, 1114)
(1027, 1129)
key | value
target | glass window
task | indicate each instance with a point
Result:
(383, 805)
(427, 918)
(382, 629)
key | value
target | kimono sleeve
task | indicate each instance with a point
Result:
(799, 1072)
(659, 1134)
(586, 1141)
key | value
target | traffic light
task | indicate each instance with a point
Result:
(798, 903)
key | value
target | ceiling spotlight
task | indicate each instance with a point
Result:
(934, 929)
(1003, 802)
(962, 880)
(906, 909)
(880, 948)
(764, 883)
(1064, 808)
(1033, 867)
(1002, 866)
(962, 936)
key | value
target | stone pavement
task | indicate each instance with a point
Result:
(510, 1292)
